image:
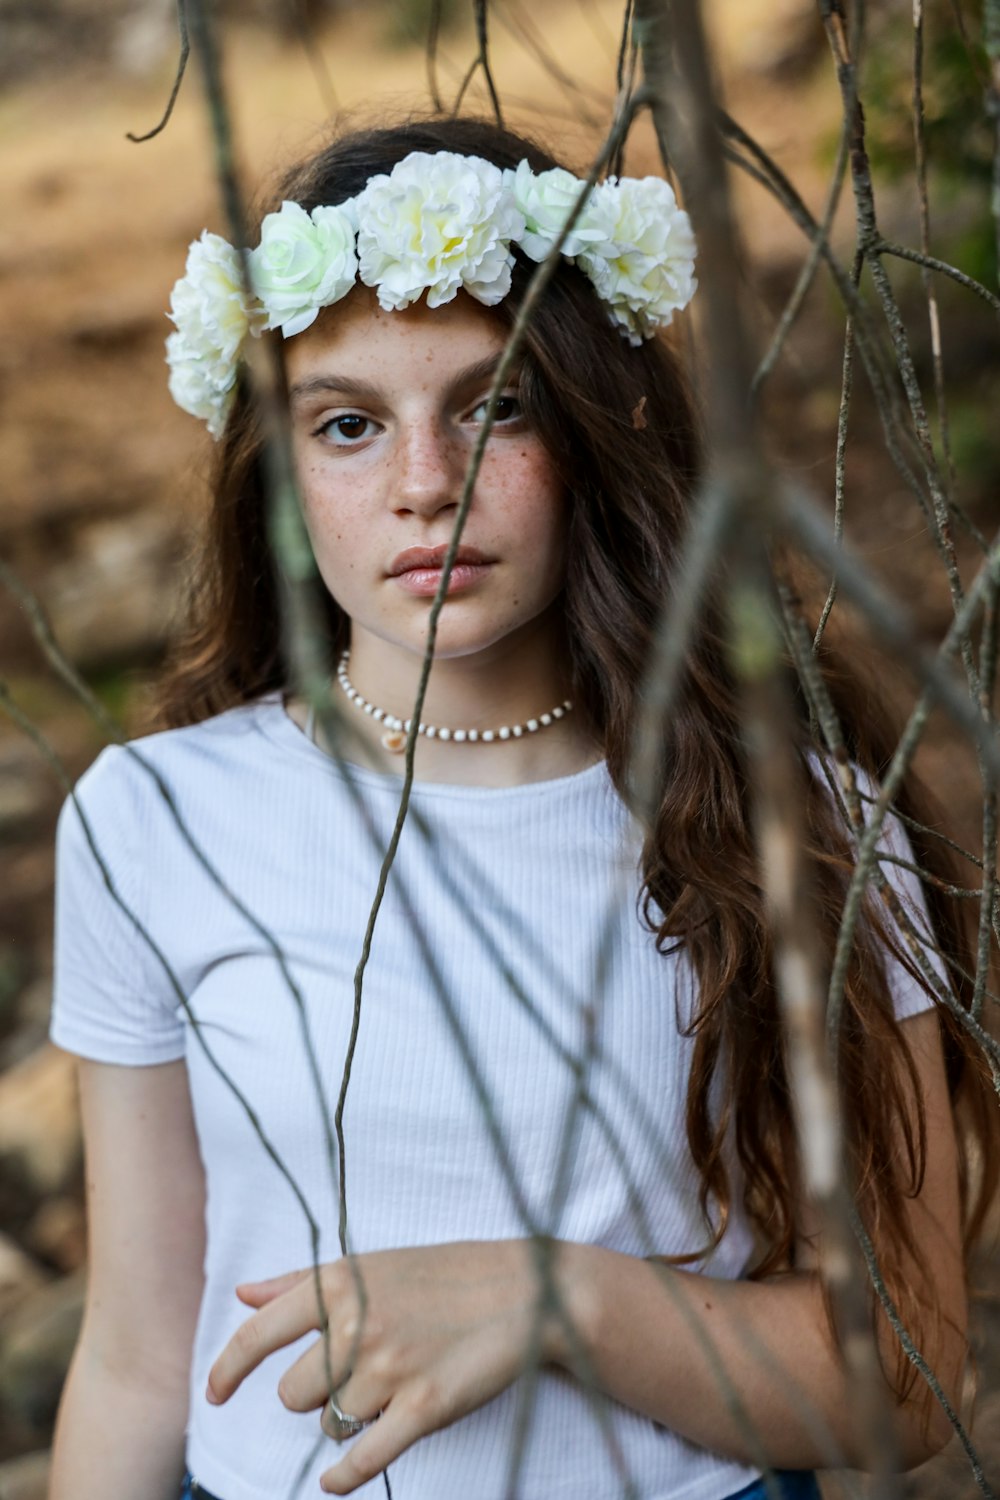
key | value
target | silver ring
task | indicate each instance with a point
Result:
(338, 1424)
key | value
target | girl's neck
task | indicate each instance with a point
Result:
(482, 691)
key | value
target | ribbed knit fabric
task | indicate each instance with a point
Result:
(481, 980)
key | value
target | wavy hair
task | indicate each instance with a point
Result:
(618, 424)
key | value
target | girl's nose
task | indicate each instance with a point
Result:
(430, 472)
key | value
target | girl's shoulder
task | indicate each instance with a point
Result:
(239, 741)
(137, 862)
(242, 730)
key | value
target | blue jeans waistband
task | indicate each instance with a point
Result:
(793, 1484)
(192, 1490)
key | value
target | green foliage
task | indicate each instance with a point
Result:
(409, 21)
(973, 443)
(958, 133)
(116, 689)
(975, 250)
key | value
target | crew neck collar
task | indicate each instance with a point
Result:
(275, 721)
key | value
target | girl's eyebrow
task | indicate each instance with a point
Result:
(481, 372)
(363, 390)
(344, 385)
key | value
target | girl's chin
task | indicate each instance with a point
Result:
(464, 632)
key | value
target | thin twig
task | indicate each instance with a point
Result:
(267, 375)
(433, 36)
(840, 456)
(933, 314)
(624, 80)
(467, 78)
(868, 237)
(481, 12)
(519, 24)
(807, 274)
(182, 63)
(803, 521)
(712, 512)
(773, 762)
(916, 1358)
(882, 378)
(816, 687)
(932, 263)
(536, 288)
(987, 581)
(991, 42)
(314, 56)
(987, 677)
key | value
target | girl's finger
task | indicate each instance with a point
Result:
(257, 1293)
(364, 1394)
(307, 1383)
(403, 1421)
(277, 1323)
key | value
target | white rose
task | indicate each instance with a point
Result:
(436, 223)
(643, 268)
(303, 262)
(201, 382)
(208, 304)
(547, 200)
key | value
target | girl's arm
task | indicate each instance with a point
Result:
(773, 1338)
(447, 1327)
(120, 1432)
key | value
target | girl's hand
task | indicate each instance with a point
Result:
(441, 1330)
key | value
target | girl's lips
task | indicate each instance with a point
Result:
(425, 582)
(418, 569)
(433, 557)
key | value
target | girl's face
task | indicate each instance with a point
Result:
(386, 408)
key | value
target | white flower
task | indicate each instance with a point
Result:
(546, 200)
(436, 223)
(208, 304)
(643, 268)
(201, 382)
(303, 262)
(213, 317)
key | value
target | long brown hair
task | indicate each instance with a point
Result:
(619, 426)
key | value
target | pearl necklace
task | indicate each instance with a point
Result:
(396, 730)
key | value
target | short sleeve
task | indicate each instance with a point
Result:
(909, 996)
(113, 999)
(908, 993)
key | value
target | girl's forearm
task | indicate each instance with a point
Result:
(117, 1437)
(748, 1369)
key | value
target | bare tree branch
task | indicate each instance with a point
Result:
(182, 63)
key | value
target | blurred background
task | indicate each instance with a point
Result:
(102, 489)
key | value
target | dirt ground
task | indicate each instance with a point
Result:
(103, 475)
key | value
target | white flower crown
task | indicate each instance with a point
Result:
(436, 223)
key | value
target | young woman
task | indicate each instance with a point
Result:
(568, 1032)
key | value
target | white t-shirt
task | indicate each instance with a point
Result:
(483, 962)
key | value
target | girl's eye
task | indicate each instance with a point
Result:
(346, 430)
(508, 410)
